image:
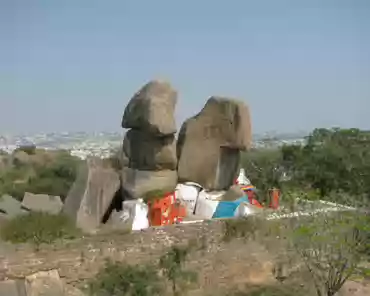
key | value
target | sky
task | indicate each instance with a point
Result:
(74, 65)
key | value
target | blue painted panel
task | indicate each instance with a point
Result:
(226, 209)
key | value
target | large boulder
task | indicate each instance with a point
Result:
(147, 152)
(152, 109)
(209, 144)
(92, 194)
(136, 183)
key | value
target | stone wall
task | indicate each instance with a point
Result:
(218, 263)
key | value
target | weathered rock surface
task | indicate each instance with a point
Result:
(138, 182)
(10, 207)
(152, 109)
(92, 194)
(147, 152)
(209, 144)
(44, 283)
(12, 288)
(42, 202)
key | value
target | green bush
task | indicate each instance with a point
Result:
(120, 279)
(38, 228)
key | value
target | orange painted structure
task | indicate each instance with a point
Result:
(274, 195)
(165, 211)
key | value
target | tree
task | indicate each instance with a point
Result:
(333, 247)
(263, 168)
(331, 160)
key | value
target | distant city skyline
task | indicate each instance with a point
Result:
(73, 65)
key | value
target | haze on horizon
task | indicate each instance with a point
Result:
(73, 65)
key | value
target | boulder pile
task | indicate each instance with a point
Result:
(149, 146)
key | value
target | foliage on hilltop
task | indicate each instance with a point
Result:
(38, 171)
(331, 160)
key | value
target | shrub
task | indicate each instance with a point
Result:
(38, 228)
(172, 264)
(120, 279)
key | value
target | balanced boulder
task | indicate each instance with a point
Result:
(92, 194)
(209, 144)
(147, 152)
(149, 147)
(152, 109)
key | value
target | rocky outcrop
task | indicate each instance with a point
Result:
(209, 144)
(42, 203)
(152, 109)
(149, 147)
(92, 194)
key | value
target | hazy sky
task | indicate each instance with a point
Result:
(74, 64)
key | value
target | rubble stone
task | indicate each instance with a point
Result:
(44, 283)
(10, 207)
(42, 202)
